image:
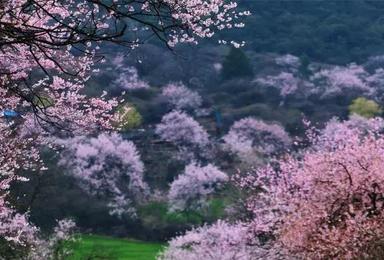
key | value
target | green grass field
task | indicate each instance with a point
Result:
(91, 247)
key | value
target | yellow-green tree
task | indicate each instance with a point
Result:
(127, 117)
(42, 101)
(365, 107)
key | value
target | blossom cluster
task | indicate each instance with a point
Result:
(250, 136)
(202, 18)
(288, 83)
(220, 241)
(194, 185)
(325, 80)
(338, 79)
(101, 164)
(181, 129)
(180, 97)
(128, 78)
(325, 203)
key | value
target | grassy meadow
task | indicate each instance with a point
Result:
(92, 247)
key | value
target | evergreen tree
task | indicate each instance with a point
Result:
(236, 64)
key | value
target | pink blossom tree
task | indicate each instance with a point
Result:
(335, 130)
(182, 130)
(14, 227)
(21, 235)
(327, 80)
(220, 241)
(325, 203)
(180, 97)
(250, 137)
(16, 153)
(191, 188)
(334, 80)
(107, 166)
(287, 83)
(53, 247)
(127, 77)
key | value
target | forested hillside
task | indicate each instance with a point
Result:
(255, 142)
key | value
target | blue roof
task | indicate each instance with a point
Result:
(10, 113)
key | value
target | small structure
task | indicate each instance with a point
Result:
(219, 122)
(10, 114)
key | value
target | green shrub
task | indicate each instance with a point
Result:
(154, 215)
(216, 209)
(365, 107)
(187, 217)
(127, 117)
